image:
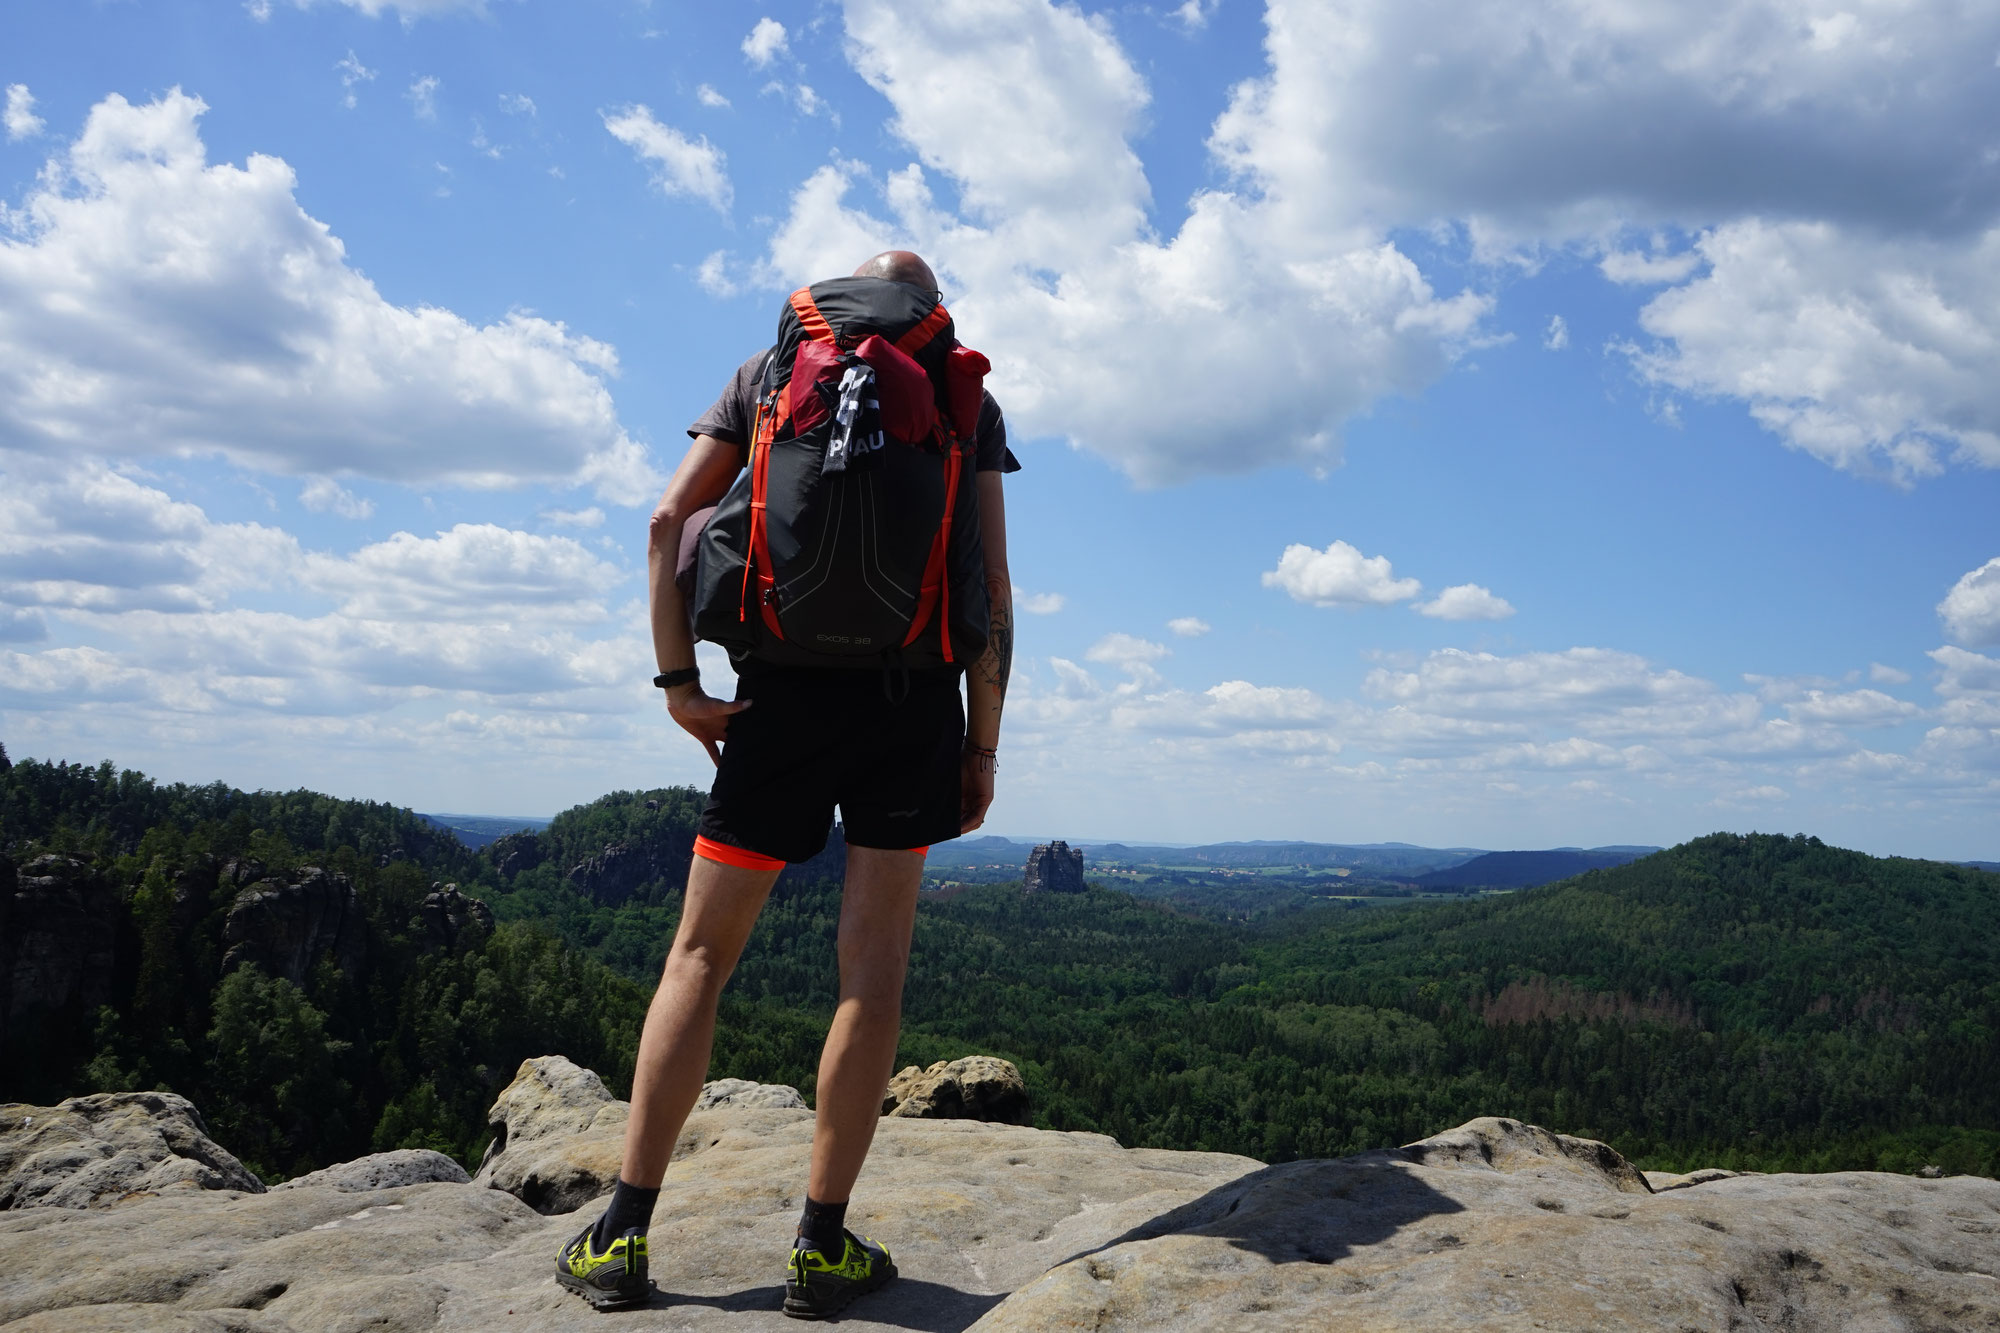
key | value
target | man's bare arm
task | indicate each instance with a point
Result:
(986, 683)
(704, 474)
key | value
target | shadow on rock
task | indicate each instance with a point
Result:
(923, 1307)
(1313, 1212)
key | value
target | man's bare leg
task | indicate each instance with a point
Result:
(720, 907)
(877, 911)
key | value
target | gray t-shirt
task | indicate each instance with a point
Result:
(734, 412)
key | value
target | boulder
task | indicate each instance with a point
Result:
(383, 1171)
(98, 1151)
(449, 918)
(285, 926)
(978, 1087)
(1508, 1146)
(559, 1135)
(742, 1093)
(1661, 1181)
(58, 941)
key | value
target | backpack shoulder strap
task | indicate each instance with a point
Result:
(810, 319)
(919, 337)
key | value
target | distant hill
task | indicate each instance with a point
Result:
(1982, 865)
(1394, 859)
(1522, 870)
(477, 831)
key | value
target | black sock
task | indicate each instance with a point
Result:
(820, 1228)
(631, 1208)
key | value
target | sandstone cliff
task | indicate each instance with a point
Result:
(1495, 1225)
(58, 942)
(285, 926)
(1054, 867)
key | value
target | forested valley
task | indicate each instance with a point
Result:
(1755, 1002)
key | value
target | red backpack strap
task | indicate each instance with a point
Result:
(810, 318)
(919, 337)
(770, 416)
(936, 587)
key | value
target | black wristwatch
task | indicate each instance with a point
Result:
(667, 680)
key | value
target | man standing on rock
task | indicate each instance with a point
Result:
(888, 740)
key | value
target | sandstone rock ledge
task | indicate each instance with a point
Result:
(1495, 1225)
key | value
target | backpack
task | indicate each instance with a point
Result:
(852, 538)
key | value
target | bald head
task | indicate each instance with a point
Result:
(902, 266)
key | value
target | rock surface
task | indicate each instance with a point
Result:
(1662, 1181)
(287, 926)
(513, 853)
(448, 918)
(617, 872)
(58, 951)
(978, 1087)
(1496, 1225)
(1500, 1225)
(1054, 867)
(559, 1135)
(96, 1151)
(383, 1171)
(741, 1092)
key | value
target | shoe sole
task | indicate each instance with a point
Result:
(601, 1299)
(799, 1308)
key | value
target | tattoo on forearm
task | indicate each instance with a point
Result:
(996, 664)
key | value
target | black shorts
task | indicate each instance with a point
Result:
(813, 739)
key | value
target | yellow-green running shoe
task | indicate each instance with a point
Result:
(613, 1280)
(816, 1286)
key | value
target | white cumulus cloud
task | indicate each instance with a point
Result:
(1852, 708)
(83, 537)
(1971, 610)
(1338, 576)
(474, 572)
(324, 495)
(1309, 317)
(1466, 601)
(22, 122)
(423, 97)
(154, 303)
(765, 43)
(1873, 353)
(683, 166)
(1038, 603)
(1189, 627)
(1128, 652)
(1636, 269)
(1193, 15)
(708, 97)
(1840, 281)
(352, 71)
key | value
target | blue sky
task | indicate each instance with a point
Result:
(1503, 426)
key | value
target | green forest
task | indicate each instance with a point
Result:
(1755, 1002)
